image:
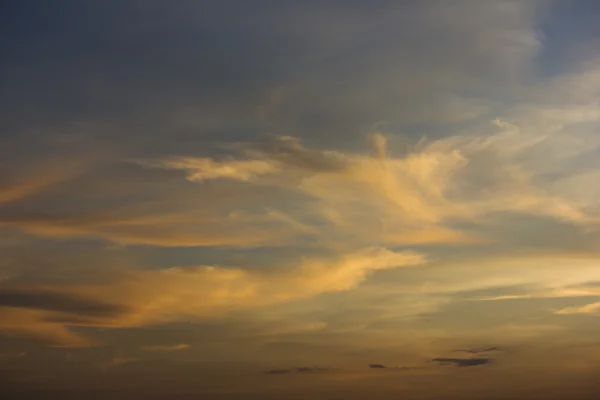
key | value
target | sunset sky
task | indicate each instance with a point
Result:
(330, 200)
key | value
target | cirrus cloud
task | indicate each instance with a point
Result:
(142, 297)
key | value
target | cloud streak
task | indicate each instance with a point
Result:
(410, 198)
(418, 196)
(463, 362)
(171, 347)
(588, 309)
(143, 297)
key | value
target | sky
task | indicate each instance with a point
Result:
(333, 200)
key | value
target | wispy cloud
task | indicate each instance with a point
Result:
(478, 350)
(418, 196)
(439, 181)
(590, 309)
(167, 347)
(144, 297)
(552, 293)
(463, 362)
(206, 168)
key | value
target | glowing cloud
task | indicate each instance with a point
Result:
(149, 297)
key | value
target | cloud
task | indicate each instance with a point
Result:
(279, 371)
(314, 369)
(412, 198)
(463, 362)
(169, 212)
(33, 327)
(28, 187)
(589, 309)
(400, 82)
(43, 315)
(584, 290)
(381, 366)
(172, 347)
(267, 157)
(280, 191)
(47, 300)
(288, 152)
(477, 351)
(379, 144)
(202, 169)
(539, 274)
(162, 231)
(151, 297)
(38, 163)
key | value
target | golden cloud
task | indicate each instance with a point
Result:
(291, 191)
(141, 297)
(171, 347)
(592, 308)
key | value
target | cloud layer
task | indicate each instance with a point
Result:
(142, 297)
(192, 195)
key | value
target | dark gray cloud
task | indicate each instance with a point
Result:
(290, 151)
(60, 302)
(381, 366)
(278, 371)
(463, 362)
(313, 369)
(478, 350)
(151, 72)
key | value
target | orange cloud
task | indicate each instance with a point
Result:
(172, 347)
(291, 192)
(206, 168)
(592, 309)
(140, 297)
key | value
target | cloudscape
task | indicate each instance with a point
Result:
(300, 199)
